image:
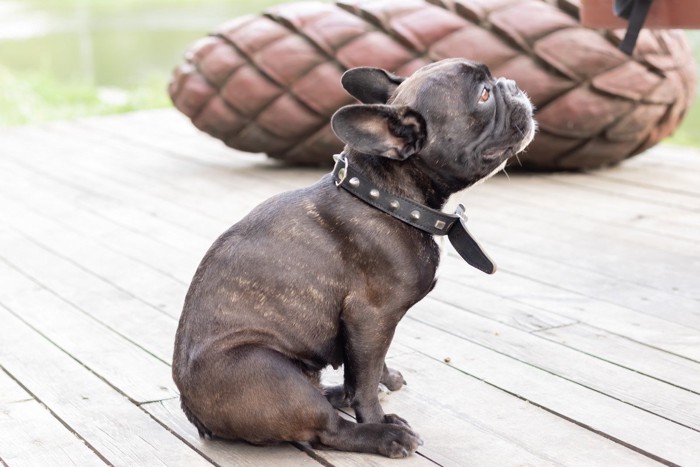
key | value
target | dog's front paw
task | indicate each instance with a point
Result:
(392, 379)
(399, 441)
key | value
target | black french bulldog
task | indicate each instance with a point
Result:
(317, 277)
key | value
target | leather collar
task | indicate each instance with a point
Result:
(414, 214)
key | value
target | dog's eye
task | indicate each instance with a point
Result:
(485, 94)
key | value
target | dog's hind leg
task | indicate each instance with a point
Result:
(338, 397)
(201, 429)
(388, 439)
(392, 379)
(260, 396)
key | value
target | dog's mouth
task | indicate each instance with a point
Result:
(504, 153)
(499, 153)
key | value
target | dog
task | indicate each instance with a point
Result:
(317, 277)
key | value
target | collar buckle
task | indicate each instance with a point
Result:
(340, 171)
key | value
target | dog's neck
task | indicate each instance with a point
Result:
(401, 190)
(404, 178)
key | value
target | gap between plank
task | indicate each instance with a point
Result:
(568, 419)
(598, 357)
(546, 329)
(577, 292)
(90, 370)
(551, 372)
(88, 271)
(535, 331)
(53, 414)
(172, 432)
(298, 446)
(312, 454)
(72, 305)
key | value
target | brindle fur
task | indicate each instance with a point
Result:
(316, 277)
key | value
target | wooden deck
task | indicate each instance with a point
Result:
(584, 349)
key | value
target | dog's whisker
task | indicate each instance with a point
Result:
(505, 172)
(519, 161)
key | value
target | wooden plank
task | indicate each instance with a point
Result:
(209, 182)
(57, 204)
(652, 268)
(575, 205)
(491, 413)
(613, 188)
(32, 436)
(163, 292)
(451, 289)
(146, 327)
(43, 200)
(101, 194)
(573, 226)
(134, 372)
(662, 178)
(458, 283)
(547, 268)
(124, 217)
(147, 191)
(173, 263)
(251, 174)
(640, 430)
(116, 183)
(145, 178)
(167, 134)
(628, 386)
(664, 366)
(117, 429)
(669, 155)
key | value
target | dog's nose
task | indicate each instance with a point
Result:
(508, 85)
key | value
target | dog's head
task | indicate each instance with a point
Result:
(453, 115)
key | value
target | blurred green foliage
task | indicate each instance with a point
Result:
(62, 59)
(688, 134)
(31, 97)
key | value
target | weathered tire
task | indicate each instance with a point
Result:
(270, 83)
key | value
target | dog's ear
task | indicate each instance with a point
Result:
(370, 85)
(380, 130)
